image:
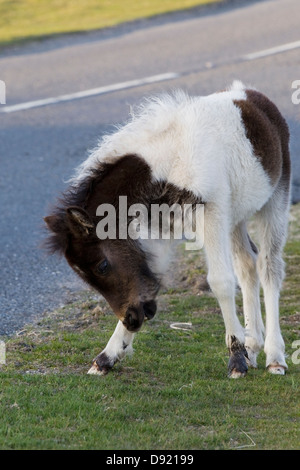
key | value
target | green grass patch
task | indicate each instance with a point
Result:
(173, 393)
(32, 19)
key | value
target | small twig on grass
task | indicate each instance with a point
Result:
(253, 444)
(181, 326)
(186, 386)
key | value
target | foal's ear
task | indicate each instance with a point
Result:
(79, 221)
(54, 223)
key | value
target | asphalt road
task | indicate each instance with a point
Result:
(205, 49)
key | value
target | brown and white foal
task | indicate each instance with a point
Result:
(228, 151)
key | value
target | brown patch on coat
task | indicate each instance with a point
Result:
(268, 133)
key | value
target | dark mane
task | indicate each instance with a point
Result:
(78, 195)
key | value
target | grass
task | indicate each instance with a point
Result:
(33, 19)
(173, 393)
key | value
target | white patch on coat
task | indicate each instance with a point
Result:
(185, 140)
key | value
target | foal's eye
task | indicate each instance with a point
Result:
(103, 267)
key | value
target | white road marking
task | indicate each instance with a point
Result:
(88, 93)
(273, 50)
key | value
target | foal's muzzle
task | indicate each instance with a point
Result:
(136, 315)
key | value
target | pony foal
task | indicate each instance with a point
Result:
(228, 151)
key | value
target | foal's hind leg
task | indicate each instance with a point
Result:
(244, 259)
(272, 224)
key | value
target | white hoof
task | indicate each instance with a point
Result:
(276, 369)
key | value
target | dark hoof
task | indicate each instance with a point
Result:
(101, 365)
(237, 365)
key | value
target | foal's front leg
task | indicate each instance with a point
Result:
(222, 282)
(117, 347)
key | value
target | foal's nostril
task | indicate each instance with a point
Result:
(133, 319)
(149, 309)
(135, 315)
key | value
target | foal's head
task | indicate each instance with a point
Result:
(117, 268)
